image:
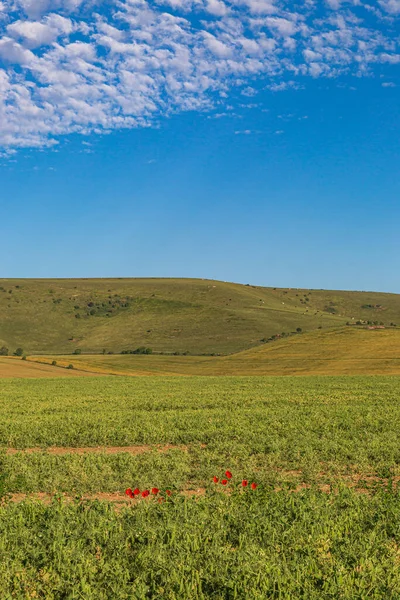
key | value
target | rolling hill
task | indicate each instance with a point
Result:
(344, 351)
(171, 315)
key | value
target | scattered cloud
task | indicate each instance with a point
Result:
(68, 66)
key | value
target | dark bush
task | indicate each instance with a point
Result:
(3, 351)
(19, 352)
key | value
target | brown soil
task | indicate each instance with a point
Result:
(120, 499)
(61, 451)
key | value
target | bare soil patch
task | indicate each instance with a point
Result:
(134, 450)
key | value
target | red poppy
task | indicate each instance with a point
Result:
(129, 493)
(154, 491)
(228, 474)
(168, 492)
(215, 479)
(245, 483)
(136, 492)
(253, 486)
(224, 481)
(145, 493)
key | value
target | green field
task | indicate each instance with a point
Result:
(170, 315)
(324, 521)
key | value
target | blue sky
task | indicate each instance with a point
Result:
(253, 141)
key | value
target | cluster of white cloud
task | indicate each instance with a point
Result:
(72, 66)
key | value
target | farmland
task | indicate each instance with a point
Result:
(340, 351)
(322, 523)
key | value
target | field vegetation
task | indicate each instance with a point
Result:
(322, 523)
(170, 315)
(342, 351)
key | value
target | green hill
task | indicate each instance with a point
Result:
(170, 315)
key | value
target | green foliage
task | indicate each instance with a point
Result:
(3, 485)
(266, 545)
(77, 351)
(245, 545)
(19, 352)
(140, 350)
(3, 351)
(54, 363)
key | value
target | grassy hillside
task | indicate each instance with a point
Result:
(345, 351)
(170, 315)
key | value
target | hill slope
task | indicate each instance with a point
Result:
(170, 315)
(345, 351)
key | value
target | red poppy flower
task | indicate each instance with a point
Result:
(136, 492)
(129, 493)
(224, 481)
(228, 474)
(253, 486)
(154, 491)
(245, 483)
(168, 492)
(215, 479)
(145, 493)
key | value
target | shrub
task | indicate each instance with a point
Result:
(77, 351)
(299, 329)
(54, 363)
(19, 352)
(70, 367)
(3, 351)
(24, 357)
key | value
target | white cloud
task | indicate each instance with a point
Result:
(391, 6)
(72, 66)
(34, 33)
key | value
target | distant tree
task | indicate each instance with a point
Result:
(19, 352)
(24, 357)
(70, 367)
(77, 351)
(3, 351)
(54, 363)
(299, 329)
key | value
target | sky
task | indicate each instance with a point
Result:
(254, 141)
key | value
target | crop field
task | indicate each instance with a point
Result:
(323, 521)
(341, 351)
(15, 367)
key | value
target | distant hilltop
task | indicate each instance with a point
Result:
(173, 316)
